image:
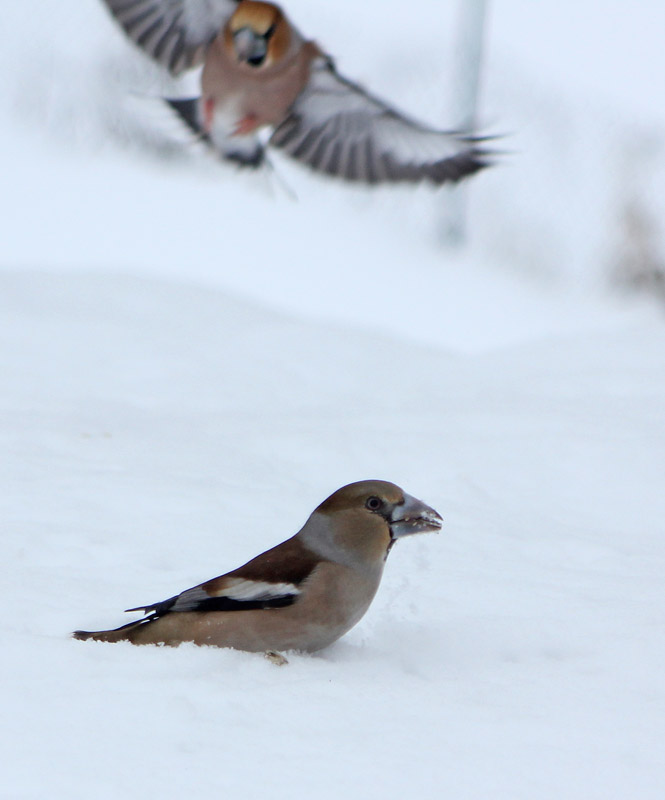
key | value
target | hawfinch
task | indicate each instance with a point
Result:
(260, 72)
(302, 594)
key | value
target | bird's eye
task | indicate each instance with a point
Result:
(373, 503)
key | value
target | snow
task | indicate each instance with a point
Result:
(193, 359)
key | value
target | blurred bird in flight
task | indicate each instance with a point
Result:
(260, 72)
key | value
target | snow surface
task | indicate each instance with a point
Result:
(193, 358)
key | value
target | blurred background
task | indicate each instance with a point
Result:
(576, 203)
(574, 207)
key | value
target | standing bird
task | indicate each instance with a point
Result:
(259, 71)
(302, 594)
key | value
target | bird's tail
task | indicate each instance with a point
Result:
(121, 634)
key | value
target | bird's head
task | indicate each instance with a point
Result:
(365, 519)
(257, 34)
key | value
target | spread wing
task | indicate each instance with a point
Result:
(175, 33)
(337, 128)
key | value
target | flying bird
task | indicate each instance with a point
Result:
(259, 72)
(302, 594)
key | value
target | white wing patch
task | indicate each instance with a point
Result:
(236, 590)
(241, 589)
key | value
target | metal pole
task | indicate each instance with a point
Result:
(466, 77)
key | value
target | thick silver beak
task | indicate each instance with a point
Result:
(249, 46)
(413, 516)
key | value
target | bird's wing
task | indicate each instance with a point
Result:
(175, 33)
(335, 127)
(271, 580)
(226, 594)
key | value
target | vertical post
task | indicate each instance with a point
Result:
(466, 81)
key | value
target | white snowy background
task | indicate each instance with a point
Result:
(192, 358)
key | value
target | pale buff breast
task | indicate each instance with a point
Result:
(267, 94)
